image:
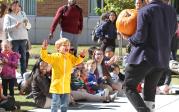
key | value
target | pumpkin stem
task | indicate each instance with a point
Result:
(127, 14)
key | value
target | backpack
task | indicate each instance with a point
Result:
(96, 32)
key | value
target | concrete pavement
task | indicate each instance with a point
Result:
(164, 103)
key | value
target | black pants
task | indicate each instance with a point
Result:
(8, 83)
(108, 43)
(133, 76)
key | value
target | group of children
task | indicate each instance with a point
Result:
(62, 64)
(97, 80)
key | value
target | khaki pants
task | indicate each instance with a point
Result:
(81, 95)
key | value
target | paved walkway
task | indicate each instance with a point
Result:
(164, 103)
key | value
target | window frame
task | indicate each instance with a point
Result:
(29, 11)
(93, 4)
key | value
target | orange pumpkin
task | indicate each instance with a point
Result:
(127, 21)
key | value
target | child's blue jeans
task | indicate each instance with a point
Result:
(59, 101)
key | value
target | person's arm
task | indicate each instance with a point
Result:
(55, 21)
(141, 33)
(112, 60)
(80, 58)
(167, 78)
(104, 30)
(91, 81)
(44, 54)
(14, 61)
(81, 21)
(8, 24)
(24, 16)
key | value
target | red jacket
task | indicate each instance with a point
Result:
(71, 20)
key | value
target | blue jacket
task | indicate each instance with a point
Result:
(91, 79)
(107, 30)
(156, 25)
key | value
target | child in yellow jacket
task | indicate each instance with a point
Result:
(62, 63)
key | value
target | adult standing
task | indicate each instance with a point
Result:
(70, 19)
(109, 32)
(139, 4)
(3, 10)
(150, 54)
(14, 25)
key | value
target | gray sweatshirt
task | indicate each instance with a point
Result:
(2, 33)
(9, 26)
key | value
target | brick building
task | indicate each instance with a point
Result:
(41, 15)
(53, 5)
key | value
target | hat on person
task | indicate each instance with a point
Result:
(109, 49)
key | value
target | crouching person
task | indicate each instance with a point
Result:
(41, 84)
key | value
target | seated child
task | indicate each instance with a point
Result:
(116, 81)
(93, 86)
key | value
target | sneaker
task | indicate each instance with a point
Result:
(107, 100)
(73, 103)
(121, 94)
(113, 96)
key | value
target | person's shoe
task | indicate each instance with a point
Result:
(121, 94)
(150, 105)
(107, 100)
(113, 96)
(73, 103)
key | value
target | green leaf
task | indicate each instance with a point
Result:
(116, 5)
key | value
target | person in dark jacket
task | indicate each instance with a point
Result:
(40, 86)
(150, 54)
(109, 32)
(70, 19)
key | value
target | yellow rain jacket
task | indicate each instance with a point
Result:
(62, 65)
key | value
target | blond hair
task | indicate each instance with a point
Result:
(6, 42)
(62, 41)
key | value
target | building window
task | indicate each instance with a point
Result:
(93, 5)
(29, 6)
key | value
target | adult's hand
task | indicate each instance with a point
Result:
(50, 36)
(17, 24)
